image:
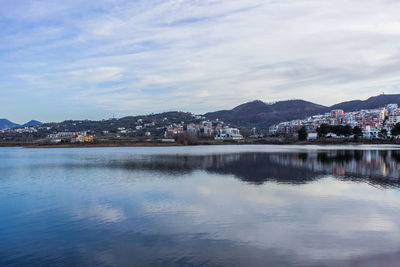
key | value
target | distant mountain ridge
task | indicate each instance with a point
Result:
(6, 124)
(370, 103)
(262, 115)
(252, 114)
(32, 123)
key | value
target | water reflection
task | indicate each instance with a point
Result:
(372, 166)
(124, 207)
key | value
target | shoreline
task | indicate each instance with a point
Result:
(271, 141)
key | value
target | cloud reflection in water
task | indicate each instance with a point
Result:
(252, 208)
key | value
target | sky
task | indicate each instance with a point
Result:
(80, 59)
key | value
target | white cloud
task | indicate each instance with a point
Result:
(206, 55)
(100, 212)
(98, 75)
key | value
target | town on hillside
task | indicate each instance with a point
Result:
(187, 128)
(372, 123)
(170, 128)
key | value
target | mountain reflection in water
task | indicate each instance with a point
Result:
(191, 206)
(372, 166)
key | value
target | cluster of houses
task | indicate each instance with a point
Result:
(20, 130)
(73, 137)
(217, 130)
(209, 129)
(371, 121)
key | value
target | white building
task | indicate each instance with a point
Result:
(392, 107)
(228, 134)
(312, 136)
(192, 130)
(371, 132)
(394, 118)
(273, 129)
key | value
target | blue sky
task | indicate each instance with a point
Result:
(81, 59)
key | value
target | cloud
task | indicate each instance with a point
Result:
(98, 75)
(203, 55)
(102, 213)
(282, 221)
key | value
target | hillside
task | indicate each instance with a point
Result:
(252, 114)
(6, 124)
(262, 115)
(370, 103)
(125, 122)
(32, 123)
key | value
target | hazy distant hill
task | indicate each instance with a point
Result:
(126, 122)
(252, 114)
(370, 103)
(32, 123)
(6, 124)
(262, 115)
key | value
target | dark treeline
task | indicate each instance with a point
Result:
(347, 130)
(339, 130)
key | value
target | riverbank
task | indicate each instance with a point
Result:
(264, 141)
(135, 144)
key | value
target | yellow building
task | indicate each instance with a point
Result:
(84, 139)
(80, 138)
(89, 138)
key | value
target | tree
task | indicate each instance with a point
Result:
(396, 130)
(383, 133)
(337, 129)
(347, 131)
(303, 134)
(385, 120)
(185, 139)
(323, 130)
(357, 132)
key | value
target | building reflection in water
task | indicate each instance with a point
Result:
(372, 166)
(358, 164)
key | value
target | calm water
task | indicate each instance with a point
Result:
(224, 205)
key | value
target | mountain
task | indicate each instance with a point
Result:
(32, 123)
(6, 124)
(252, 114)
(370, 103)
(261, 115)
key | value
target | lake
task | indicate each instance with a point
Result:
(208, 205)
